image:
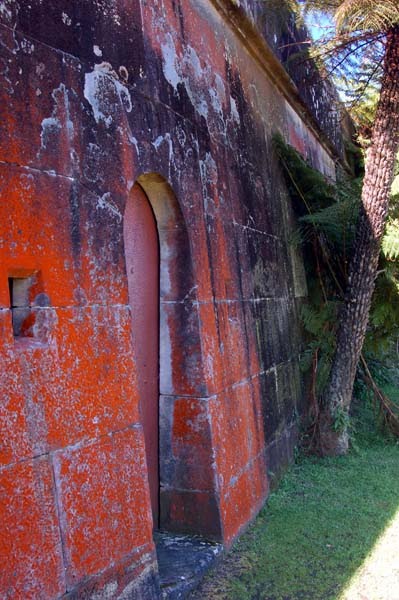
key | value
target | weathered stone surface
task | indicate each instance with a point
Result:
(30, 540)
(96, 98)
(182, 562)
(133, 579)
(288, 41)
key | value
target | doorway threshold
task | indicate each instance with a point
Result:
(183, 560)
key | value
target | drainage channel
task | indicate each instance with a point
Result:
(183, 561)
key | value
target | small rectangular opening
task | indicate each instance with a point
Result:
(21, 313)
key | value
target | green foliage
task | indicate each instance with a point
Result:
(313, 189)
(365, 15)
(363, 113)
(315, 320)
(384, 312)
(390, 242)
(351, 46)
(341, 419)
(381, 313)
(338, 221)
(319, 322)
(327, 216)
(379, 407)
(353, 16)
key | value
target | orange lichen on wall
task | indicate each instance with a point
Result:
(99, 99)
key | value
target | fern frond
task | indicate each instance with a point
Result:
(337, 221)
(382, 313)
(366, 15)
(317, 320)
(390, 241)
(313, 320)
(297, 237)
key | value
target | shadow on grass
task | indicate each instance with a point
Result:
(316, 530)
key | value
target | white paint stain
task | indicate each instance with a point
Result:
(158, 142)
(95, 83)
(204, 87)
(167, 139)
(169, 59)
(190, 65)
(234, 110)
(50, 127)
(135, 143)
(27, 46)
(66, 19)
(196, 81)
(96, 91)
(40, 69)
(217, 94)
(105, 203)
(191, 58)
(209, 178)
(97, 50)
(107, 593)
(60, 118)
(209, 169)
(5, 11)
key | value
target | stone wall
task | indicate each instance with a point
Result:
(99, 97)
(288, 39)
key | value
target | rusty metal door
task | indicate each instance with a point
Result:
(142, 266)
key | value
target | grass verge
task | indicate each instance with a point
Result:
(316, 529)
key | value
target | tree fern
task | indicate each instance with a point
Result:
(365, 15)
(327, 217)
(366, 42)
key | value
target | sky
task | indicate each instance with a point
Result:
(319, 25)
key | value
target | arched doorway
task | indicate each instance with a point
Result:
(142, 267)
(165, 308)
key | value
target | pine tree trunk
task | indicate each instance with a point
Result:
(377, 183)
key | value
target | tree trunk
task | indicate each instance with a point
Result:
(376, 190)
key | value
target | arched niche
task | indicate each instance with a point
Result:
(176, 281)
(188, 500)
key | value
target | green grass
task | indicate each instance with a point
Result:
(316, 529)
